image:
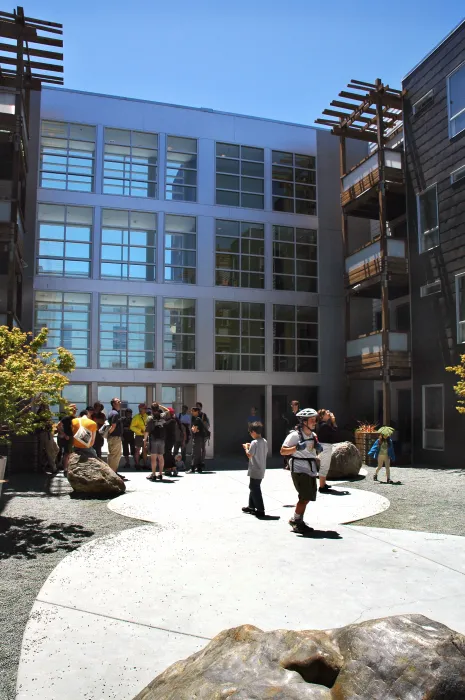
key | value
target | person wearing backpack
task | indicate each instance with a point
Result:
(185, 419)
(84, 432)
(154, 439)
(301, 446)
(206, 429)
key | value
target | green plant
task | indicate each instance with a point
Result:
(459, 388)
(31, 381)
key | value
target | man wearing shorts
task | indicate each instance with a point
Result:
(154, 437)
(301, 447)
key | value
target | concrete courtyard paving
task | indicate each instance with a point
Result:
(121, 608)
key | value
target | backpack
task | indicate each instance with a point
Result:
(157, 429)
(206, 424)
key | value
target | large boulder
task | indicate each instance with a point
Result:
(345, 461)
(92, 476)
(408, 656)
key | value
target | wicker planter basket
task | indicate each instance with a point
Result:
(364, 442)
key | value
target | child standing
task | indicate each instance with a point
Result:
(383, 451)
(257, 452)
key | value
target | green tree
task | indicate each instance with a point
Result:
(29, 380)
(459, 388)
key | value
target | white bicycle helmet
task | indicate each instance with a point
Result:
(306, 413)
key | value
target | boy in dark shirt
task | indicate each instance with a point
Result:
(198, 441)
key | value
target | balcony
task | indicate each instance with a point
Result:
(359, 187)
(363, 269)
(365, 358)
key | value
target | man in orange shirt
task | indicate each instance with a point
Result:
(84, 432)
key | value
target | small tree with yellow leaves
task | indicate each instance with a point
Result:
(459, 388)
(30, 379)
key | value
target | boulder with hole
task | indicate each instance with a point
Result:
(92, 476)
(345, 461)
(394, 658)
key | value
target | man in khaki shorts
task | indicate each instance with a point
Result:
(302, 447)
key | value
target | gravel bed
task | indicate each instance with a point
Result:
(429, 500)
(39, 525)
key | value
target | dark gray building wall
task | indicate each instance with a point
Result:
(430, 158)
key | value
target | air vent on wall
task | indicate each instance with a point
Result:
(423, 103)
(457, 175)
(431, 288)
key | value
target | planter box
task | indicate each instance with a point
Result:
(364, 442)
(2, 472)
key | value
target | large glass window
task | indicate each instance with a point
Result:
(295, 265)
(240, 336)
(67, 156)
(77, 394)
(456, 98)
(294, 183)
(64, 240)
(179, 333)
(428, 219)
(130, 163)
(239, 176)
(295, 338)
(127, 332)
(433, 417)
(460, 306)
(134, 395)
(180, 248)
(67, 317)
(128, 248)
(181, 169)
(240, 251)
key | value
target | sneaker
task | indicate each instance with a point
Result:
(375, 478)
(390, 481)
(246, 509)
(190, 471)
(121, 476)
(160, 476)
(299, 526)
(151, 477)
(325, 489)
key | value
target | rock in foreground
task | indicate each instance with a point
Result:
(395, 658)
(345, 461)
(93, 477)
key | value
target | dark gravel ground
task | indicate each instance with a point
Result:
(39, 525)
(430, 500)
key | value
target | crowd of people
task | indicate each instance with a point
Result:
(156, 438)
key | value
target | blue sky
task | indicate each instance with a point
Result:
(284, 60)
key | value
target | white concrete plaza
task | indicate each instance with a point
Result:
(120, 609)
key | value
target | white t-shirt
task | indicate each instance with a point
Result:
(301, 466)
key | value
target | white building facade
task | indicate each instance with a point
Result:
(188, 255)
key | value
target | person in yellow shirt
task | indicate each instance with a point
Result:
(84, 432)
(138, 427)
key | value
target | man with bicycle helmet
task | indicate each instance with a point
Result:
(301, 446)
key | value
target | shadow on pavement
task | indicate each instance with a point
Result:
(321, 535)
(333, 492)
(28, 537)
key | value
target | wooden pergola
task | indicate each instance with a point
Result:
(371, 112)
(28, 58)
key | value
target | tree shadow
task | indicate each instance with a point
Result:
(30, 537)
